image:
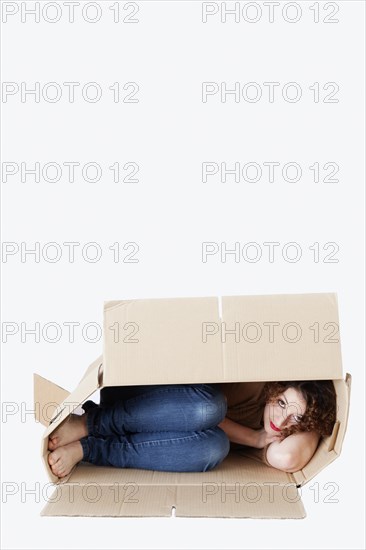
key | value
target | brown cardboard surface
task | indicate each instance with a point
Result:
(343, 389)
(70, 500)
(238, 487)
(278, 341)
(88, 385)
(170, 348)
(234, 469)
(258, 338)
(160, 341)
(240, 501)
(47, 397)
(233, 501)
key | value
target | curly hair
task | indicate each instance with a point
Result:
(321, 405)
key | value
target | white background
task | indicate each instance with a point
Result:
(169, 213)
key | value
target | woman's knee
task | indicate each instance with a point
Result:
(211, 408)
(218, 448)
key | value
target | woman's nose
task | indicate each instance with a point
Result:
(280, 418)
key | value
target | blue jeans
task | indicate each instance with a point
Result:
(172, 428)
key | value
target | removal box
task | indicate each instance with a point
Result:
(201, 340)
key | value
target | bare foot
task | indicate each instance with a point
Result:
(63, 459)
(72, 429)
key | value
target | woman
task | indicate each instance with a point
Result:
(191, 428)
(280, 422)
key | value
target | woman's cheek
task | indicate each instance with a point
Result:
(266, 418)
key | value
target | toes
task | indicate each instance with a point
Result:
(53, 458)
(53, 442)
(57, 464)
(62, 472)
(57, 468)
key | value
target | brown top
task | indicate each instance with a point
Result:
(245, 406)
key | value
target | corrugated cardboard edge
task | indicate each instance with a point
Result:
(47, 398)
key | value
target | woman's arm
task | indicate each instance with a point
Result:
(290, 455)
(246, 436)
(294, 452)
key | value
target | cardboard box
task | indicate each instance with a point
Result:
(201, 340)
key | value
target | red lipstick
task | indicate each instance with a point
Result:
(274, 427)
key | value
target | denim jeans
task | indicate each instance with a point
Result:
(172, 428)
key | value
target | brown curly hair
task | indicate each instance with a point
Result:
(321, 405)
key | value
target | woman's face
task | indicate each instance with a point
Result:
(286, 409)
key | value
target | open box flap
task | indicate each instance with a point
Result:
(235, 501)
(110, 501)
(238, 487)
(47, 397)
(86, 387)
(159, 341)
(258, 338)
(330, 447)
(240, 501)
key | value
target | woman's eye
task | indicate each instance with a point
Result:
(281, 403)
(297, 419)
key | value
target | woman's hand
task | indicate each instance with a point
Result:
(262, 438)
(247, 436)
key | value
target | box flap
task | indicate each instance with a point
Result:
(330, 447)
(240, 501)
(259, 338)
(231, 501)
(88, 385)
(281, 337)
(111, 501)
(343, 390)
(238, 487)
(47, 397)
(160, 341)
